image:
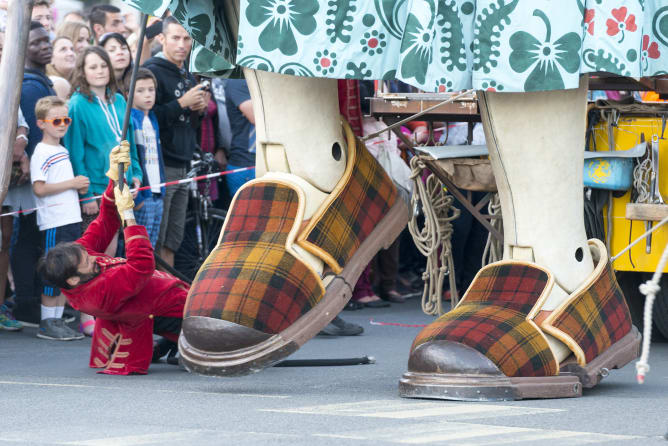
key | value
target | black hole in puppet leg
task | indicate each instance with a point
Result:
(579, 254)
(336, 151)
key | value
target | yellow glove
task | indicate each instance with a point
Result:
(119, 154)
(124, 203)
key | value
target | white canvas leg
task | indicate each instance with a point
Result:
(536, 146)
(297, 127)
(299, 138)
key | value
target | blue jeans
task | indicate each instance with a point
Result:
(236, 180)
(150, 216)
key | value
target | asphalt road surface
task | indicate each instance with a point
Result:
(48, 396)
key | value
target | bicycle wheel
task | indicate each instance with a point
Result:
(189, 258)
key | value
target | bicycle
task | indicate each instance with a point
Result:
(203, 222)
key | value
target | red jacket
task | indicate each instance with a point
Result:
(125, 296)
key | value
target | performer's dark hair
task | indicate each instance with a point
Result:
(60, 263)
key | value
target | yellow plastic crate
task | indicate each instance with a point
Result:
(626, 135)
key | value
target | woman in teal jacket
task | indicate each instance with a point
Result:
(97, 112)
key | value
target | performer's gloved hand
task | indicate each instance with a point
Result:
(119, 154)
(124, 203)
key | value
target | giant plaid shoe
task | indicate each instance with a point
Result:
(494, 345)
(257, 298)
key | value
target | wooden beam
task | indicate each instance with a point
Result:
(646, 212)
(19, 13)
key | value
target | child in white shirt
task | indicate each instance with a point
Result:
(57, 195)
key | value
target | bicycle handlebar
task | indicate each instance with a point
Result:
(202, 164)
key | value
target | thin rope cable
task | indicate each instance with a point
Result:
(649, 289)
(493, 248)
(639, 239)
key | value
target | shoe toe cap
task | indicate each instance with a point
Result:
(448, 357)
(216, 335)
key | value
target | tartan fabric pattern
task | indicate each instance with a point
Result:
(250, 279)
(360, 206)
(515, 285)
(598, 317)
(492, 319)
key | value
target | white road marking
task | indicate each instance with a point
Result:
(473, 434)
(402, 409)
(180, 392)
(190, 436)
(132, 440)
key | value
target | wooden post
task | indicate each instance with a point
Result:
(19, 13)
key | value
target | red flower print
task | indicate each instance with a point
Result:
(650, 50)
(621, 23)
(589, 20)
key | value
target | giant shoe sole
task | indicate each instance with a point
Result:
(594, 322)
(220, 347)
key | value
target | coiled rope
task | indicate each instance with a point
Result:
(642, 178)
(433, 240)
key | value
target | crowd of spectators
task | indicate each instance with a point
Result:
(74, 96)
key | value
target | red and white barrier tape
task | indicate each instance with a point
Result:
(396, 324)
(166, 184)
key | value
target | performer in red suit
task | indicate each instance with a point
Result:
(129, 298)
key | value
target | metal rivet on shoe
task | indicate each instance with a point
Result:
(604, 372)
(336, 151)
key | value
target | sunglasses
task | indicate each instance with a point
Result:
(60, 121)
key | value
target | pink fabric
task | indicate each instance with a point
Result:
(208, 143)
(349, 104)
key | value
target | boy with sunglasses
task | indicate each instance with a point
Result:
(58, 213)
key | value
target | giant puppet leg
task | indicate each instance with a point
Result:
(295, 239)
(550, 318)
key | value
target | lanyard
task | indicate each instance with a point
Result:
(112, 118)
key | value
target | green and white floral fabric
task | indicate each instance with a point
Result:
(435, 45)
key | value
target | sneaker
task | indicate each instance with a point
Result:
(74, 333)
(339, 327)
(7, 321)
(55, 329)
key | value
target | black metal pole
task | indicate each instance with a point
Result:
(131, 92)
(326, 362)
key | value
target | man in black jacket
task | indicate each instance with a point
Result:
(178, 106)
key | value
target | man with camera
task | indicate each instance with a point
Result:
(180, 102)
